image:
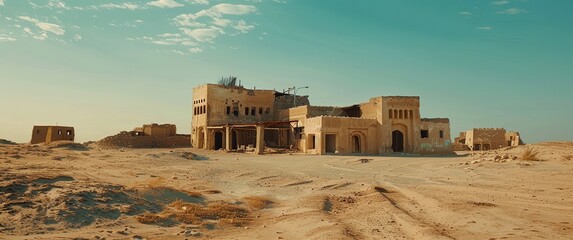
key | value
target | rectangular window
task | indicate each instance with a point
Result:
(246, 111)
(424, 134)
(441, 133)
(68, 132)
(228, 110)
(260, 111)
(59, 132)
(253, 111)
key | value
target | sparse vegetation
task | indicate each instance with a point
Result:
(151, 218)
(567, 157)
(192, 213)
(258, 202)
(157, 182)
(530, 154)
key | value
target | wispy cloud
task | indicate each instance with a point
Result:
(204, 2)
(1, 2)
(219, 10)
(50, 27)
(130, 6)
(4, 38)
(485, 28)
(204, 34)
(206, 25)
(165, 4)
(465, 13)
(512, 11)
(195, 50)
(501, 2)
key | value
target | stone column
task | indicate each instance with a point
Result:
(207, 137)
(228, 138)
(260, 139)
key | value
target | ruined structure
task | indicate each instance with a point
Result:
(231, 118)
(47, 134)
(148, 136)
(487, 139)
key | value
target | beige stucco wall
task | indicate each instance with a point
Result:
(163, 130)
(489, 138)
(47, 134)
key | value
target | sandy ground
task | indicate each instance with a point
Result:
(65, 193)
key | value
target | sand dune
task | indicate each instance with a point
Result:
(67, 191)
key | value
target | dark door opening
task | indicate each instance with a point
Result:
(218, 140)
(330, 142)
(356, 144)
(234, 140)
(397, 141)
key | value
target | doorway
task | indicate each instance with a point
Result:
(218, 140)
(356, 144)
(330, 142)
(397, 141)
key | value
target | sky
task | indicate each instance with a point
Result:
(105, 66)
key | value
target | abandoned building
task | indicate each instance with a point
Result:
(48, 134)
(487, 139)
(233, 117)
(148, 136)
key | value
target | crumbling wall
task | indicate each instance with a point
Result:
(127, 139)
(287, 101)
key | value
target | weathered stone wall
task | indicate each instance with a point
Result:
(287, 101)
(127, 139)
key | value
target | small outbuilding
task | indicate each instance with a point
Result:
(48, 134)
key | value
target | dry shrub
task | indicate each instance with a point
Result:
(195, 213)
(157, 182)
(258, 202)
(530, 154)
(212, 191)
(194, 194)
(567, 157)
(149, 218)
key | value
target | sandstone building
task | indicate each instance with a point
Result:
(487, 139)
(148, 136)
(232, 117)
(47, 134)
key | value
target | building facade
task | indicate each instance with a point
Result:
(234, 117)
(487, 139)
(48, 134)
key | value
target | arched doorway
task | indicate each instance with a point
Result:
(218, 140)
(397, 141)
(356, 146)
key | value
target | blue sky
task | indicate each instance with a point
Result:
(105, 66)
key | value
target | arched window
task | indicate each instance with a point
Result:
(412, 114)
(395, 114)
(401, 114)
(406, 114)
(390, 113)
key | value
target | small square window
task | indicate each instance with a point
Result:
(441, 133)
(424, 134)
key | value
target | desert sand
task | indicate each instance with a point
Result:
(67, 191)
